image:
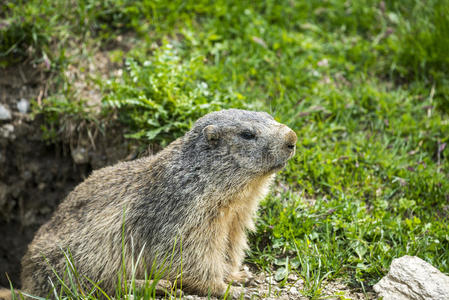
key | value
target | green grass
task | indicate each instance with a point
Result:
(363, 83)
(160, 98)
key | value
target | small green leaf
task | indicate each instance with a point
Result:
(281, 274)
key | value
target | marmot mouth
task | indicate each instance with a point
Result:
(278, 167)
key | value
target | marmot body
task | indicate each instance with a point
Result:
(191, 202)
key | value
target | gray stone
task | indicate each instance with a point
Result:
(292, 277)
(270, 280)
(5, 114)
(23, 105)
(411, 278)
(294, 291)
(7, 131)
(80, 155)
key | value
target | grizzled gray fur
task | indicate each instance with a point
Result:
(198, 196)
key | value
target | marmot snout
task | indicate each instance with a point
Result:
(287, 146)
(194, 201)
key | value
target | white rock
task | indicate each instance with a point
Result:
(411, 278)
(270, 280)
(23, 105)
(292, 277)
(80, 155)
(7, 131)
(293, 291)
(5, 114)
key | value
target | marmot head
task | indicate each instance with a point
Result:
(244, 142)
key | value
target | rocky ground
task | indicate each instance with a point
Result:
(264, 286)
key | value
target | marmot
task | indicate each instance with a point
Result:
(192, 201)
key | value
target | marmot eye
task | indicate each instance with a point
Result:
(248, 135)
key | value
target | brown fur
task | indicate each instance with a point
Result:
(195, 199)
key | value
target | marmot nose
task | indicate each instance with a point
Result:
(290, 139)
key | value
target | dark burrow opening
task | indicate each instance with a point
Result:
(35, 176)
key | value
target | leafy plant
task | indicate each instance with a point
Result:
(160, 98)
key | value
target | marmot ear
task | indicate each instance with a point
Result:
(212, 134)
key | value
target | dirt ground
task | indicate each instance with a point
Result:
(35, 175)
